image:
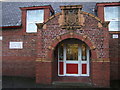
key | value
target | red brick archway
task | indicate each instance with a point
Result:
(60, 38)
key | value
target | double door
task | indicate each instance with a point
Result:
(73, 59)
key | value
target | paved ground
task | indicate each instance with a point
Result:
(21, 82)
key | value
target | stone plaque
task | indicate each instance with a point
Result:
(15, 45)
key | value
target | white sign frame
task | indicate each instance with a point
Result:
(15, 45)
(1, 38)
(115, 36)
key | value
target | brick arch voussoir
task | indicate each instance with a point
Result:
(60, 38)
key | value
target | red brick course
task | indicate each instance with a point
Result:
(18, 66)
(18, 62)
(114, 57)
(44, 72)
(100, 73)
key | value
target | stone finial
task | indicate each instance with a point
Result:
(99, 25)
(105, 24)
(39, 25)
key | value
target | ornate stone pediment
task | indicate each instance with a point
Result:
(71, 17)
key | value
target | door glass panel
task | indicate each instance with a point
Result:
(84, 52)
(61, 52)
(72, 52)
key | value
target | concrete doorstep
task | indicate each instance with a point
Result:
(71, 85)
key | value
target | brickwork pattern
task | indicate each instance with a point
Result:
(18, 62)
(114, 44)
(97, 35)
(114, 57)
(91, 32)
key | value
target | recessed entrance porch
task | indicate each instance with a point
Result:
(72, 61)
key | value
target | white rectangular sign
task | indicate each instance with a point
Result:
(115, 36)
(16, 45)
(1, 37)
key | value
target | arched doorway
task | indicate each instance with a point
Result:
(73, 57)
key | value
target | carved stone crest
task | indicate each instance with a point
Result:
(71, 18)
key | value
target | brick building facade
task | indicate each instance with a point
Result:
(46, 53)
